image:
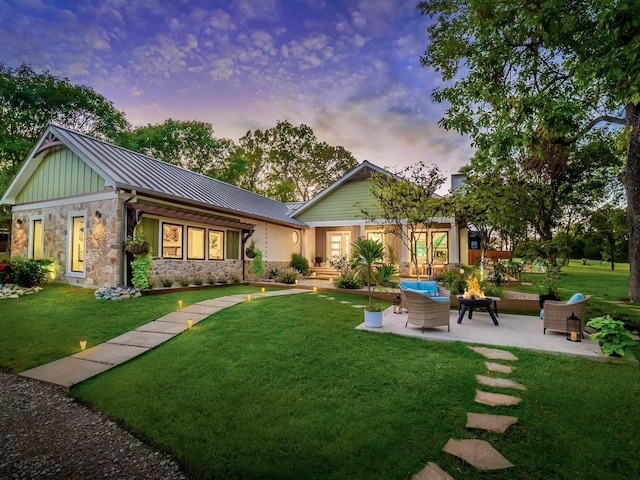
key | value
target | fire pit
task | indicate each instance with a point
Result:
(473, 297)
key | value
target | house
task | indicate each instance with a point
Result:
(335, 220)
(77, 199)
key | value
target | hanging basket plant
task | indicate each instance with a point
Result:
(250, 251)
(137, 248)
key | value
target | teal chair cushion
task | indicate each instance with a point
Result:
(575, 298)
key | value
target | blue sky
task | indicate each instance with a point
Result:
(348, 69)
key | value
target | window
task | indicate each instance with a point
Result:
(77, 244)
(439, 242)
(233, 245)
(216, 245)
(36, 242)
(195, 243)
(171, 241)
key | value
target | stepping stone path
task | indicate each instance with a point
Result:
(480, 453)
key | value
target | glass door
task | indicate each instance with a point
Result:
(338, 244)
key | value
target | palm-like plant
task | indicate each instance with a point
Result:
(369, 254)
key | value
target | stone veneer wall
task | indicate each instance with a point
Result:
(188, 270)
(103, 246)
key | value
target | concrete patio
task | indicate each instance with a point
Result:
(520, 331)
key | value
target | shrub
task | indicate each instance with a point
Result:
(197, 281)
(348, 280)
(272, 273)
(29, 273)
(386, 272)
(184, 282)
(166, 282)
(288, 275)
(257, 267)
(612, 335)
(300, 263)
(211, 279)
(141, 268)
(6, 271)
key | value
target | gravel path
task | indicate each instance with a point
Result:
(45, 434)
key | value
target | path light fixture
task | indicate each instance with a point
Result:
(19, 223)
(574, 328)
(248, 297)
(262, 290)
(315, 289)
(83, 344)
(397, 304)
(190, 323)
(179, 303)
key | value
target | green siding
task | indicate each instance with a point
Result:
(340, 204)
(151, 232)
(60, 174)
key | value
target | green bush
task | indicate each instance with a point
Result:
(614, 338)
(300, 263)
(6, 271)
(349, 280)
(257, 266)
(140, 269)
(288, 275)
(166, 282)
(25, 273)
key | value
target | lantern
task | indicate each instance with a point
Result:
(574, 328)
(397, 304)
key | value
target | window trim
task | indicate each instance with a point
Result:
(70, 216)
(204, 242)
(32, 237)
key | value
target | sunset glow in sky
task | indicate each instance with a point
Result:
(348, 69)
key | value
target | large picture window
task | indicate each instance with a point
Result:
(216, 245)
(195, 243)
(36, 242)
(171, 240)
(439, 242)
(77, 244)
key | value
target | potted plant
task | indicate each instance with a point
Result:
(548, 288)
(250, 251)
(369, 255)
(136, 244)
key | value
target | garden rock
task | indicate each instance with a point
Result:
(117, 293)
(15, 291)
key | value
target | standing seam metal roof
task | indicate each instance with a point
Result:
(130, 169)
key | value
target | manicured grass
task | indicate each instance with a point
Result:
(609, 290)
(286, 388)
(48, 325)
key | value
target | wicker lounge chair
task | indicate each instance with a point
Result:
(556, 313)
(425, 311)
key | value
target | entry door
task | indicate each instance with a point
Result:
(338, 244)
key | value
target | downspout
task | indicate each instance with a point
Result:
(125, 225)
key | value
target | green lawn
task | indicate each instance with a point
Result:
(46, 326)
(285, 388)
(609, 290)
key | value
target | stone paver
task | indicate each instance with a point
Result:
(478, 453)
(66, 371)
(345, 302)
(494, 353)
(432, 472)
(163, 327)
(499, 382)
(141, 339)
(496, 399)
(180, 317)
(202, 309)
(497, 367)
(489, 422)
(223, 302)
(358, 306)
(111, 354)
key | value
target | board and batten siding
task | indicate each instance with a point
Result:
(60, 174)
(340, 204)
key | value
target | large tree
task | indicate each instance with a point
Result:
(406, 204)
(533, 78)
(188, 144)
(288, 162)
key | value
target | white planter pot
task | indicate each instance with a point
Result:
(373, 319)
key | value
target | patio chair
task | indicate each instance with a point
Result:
(425, 312)
(555, 313)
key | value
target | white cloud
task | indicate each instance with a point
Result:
(221, 20)
(135, 91)
(77, 68)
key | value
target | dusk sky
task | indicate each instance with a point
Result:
(348, 69)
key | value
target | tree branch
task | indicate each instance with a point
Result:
(604, 118)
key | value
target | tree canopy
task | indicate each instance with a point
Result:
(529, 80)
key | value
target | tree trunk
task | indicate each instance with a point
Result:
(631, 180)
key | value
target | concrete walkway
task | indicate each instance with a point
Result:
(85, 364)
